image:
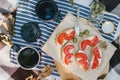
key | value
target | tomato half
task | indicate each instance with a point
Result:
(83, 64)
(84, 44)
(81, 56)
(71, 35)
(68, 48)
(96, 53)
(94, 41)
(67, 58)
(95, 63)
(61, 38)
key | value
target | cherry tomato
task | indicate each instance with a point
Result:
(61, 38)
(81, 56)
(67, 58)
(70, 36)
(95, 63)
(84, 44)
(84, 64)
(94, 41)
(96, 53)
(68, 48)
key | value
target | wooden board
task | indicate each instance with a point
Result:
(54, 50)
(63, 72)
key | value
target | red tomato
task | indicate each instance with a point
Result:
(96, 53)
(67, 58)
(61, 38)
(94, 41)
(84, 64)
(84, 44)
(81, 56)
(68, 48)
(95, 63)
(70, 35)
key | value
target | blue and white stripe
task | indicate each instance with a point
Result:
(26, 13)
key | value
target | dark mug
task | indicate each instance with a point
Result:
(28, 57)
(47, 10)
(30, 31)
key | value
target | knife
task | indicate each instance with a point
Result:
(76, 26)
(117, 32)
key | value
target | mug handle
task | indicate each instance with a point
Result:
(15, 47)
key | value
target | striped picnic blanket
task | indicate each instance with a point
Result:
(26, 13)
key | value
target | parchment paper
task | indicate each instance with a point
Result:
(52, 49)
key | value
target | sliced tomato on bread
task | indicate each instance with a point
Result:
(66, 35)
(90, 41)
(68, 58)
(81, 56)
(61, 38)
(70, 35)
(82, 60)
(67, 49)
(97, 56)
(95, 63)
(93, 41)
(96, 52)
(83, 64)
(84, 44)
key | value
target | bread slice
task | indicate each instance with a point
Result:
(64, 54)
(65, 32)
(96, 59)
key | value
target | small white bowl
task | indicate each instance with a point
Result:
(107, 27)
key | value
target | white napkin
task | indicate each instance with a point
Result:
(113, 75)
(4, 57)
(5, 61)
(9, 5)
(4, 75)
(116, 10)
